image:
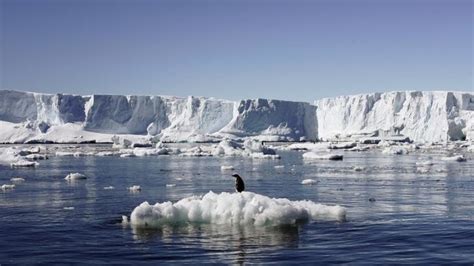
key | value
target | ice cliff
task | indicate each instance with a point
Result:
(422, 116)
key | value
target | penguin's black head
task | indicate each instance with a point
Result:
(235, 175)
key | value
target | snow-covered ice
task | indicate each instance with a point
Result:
(246, 208)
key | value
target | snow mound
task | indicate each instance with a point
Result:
(244, 208)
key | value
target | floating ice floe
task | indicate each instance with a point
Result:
(279, 166)
(395, 150)
(455, 158)
(470, 148)
(6, 187)
(228, 148)
(36, 156)
(106, 153)
(195, 152)
(313, 155)
(75, 176)
(23, 163)
(246, 208)
(135, 188)
(422, 170)
(68, 208)
(358, 148)
(309, 181)
(425, 163)
(358, 168)
(227, 168)
(150, 151)
(109, 188)
(170, 185)
(127, 155)
(17, 179)
(342, 145)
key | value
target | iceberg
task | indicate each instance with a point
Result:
(246, 208)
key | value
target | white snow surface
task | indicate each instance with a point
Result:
(437, 116)
(246, 208)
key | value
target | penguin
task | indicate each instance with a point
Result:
(239, 183)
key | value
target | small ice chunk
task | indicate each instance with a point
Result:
(7, 187)
(342, 145)
(395, 150)
(279, 166)
(424, 163)
(126, 155)
(358, 168)
(105, 153)
(36, 156)
(17, 179)
(260, 155)
(109, 188)
(64, 153)
(309, 181)
(314, 155)
(68, 208)
(124, 220)
(75, 176)
(227, 167)
(135, 188)
(170, 185)
(455, 158)
(23, 163)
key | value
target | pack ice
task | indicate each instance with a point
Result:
(27, 117)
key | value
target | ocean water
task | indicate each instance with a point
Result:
(396, 211)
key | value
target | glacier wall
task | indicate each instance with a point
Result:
(171, 119)
(422, 116)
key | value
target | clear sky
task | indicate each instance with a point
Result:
(234, 49)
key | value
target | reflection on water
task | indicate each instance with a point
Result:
(234, 241)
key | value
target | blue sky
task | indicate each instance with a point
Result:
(282, 49)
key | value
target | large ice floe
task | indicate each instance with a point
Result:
(27, 117)
(246, 208)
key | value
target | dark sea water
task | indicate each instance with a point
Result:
(415, 216)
